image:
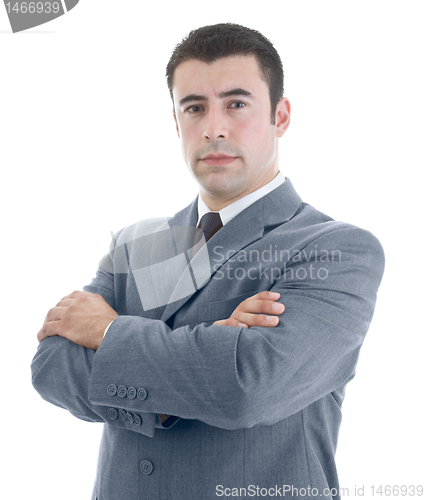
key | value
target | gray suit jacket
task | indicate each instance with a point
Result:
(253, 409)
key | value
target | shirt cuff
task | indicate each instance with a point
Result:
(107, 328)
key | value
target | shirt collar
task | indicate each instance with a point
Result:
(235, 208)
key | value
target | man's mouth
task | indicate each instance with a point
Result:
(218, 159)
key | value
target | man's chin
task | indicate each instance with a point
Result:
(222, 190)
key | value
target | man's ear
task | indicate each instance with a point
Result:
(175, 119)
(282, 116)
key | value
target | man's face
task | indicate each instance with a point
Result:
(223, 118)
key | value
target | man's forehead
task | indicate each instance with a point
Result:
(196, 76)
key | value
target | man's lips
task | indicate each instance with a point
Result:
(218, 160)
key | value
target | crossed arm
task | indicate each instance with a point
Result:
(82, 317)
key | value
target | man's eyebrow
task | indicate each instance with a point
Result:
(237, 91)
(192, 97)
(228, 93)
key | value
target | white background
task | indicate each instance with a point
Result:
(88, 145)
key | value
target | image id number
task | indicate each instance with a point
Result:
(402, 491)
(33, 7)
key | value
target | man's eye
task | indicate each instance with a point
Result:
(194, 109)
(237, 104)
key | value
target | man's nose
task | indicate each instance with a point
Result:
(216, 126)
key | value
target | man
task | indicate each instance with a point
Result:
(218, 357)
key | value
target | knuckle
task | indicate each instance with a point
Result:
(256, 320)
(264, 303)
(43, 333)
(49, 315)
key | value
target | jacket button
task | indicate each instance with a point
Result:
(122, 414)
(146, 467)
(137, 420)
(131, 392)
(130, 418)
(142, 394)
(111, 390)
(122, 391)
(112, 413)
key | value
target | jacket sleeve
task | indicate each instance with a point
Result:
(61, 373)
(237, 377)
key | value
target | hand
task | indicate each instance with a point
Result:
(81, 317)
(259, 310)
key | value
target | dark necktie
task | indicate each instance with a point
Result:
(210, 224)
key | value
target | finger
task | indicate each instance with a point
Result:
(49, 329)
(258, 319)
(76, 294)
(258, 307)
(265, 295)
(230, 322)
(65, 302)
(55, 314)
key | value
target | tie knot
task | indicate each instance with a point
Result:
(210, 224)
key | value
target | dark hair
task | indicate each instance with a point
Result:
(210, 43)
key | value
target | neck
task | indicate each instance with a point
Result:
(215, 202)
